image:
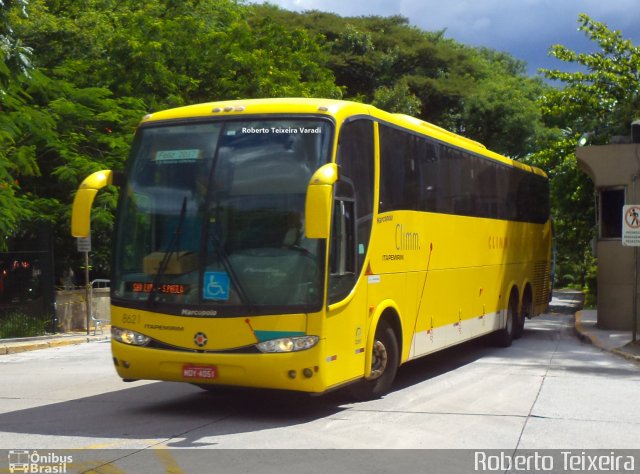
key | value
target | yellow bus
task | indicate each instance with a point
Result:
(308, 244)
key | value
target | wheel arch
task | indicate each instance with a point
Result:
(389, 312)
(513, 292)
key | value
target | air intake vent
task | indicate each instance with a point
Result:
(541, 283)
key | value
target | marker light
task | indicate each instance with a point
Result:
(288, 344)
(127, 336)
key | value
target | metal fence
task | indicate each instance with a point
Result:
(71, 306)
(26, 293)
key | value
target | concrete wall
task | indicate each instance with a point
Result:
(615, 285)
(71, 308)
(611, 166)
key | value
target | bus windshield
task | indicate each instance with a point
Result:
(212, 215)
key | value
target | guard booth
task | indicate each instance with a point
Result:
(615, 171)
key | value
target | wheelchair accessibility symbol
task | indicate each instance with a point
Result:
(216, 286)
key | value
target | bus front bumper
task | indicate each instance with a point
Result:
(298, 371)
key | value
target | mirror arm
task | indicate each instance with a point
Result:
(83, 200)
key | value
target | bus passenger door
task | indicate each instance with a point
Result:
(347, 297)
(351, 228)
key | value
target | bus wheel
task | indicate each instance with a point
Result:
(505, 336)
(525, 313)
(385, 359)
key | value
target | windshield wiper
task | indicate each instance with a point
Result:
(172, 247)
(223, 256)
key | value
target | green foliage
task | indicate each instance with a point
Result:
(602, 98)
(16, 119)
(14, 55)
(397, 99)
(590, 286)
(480, 93)
(89, 130)
(17, 324)
(95, 67)
(572, 204)
(171, 53)
(100, 66)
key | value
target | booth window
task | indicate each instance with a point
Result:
(611, 203)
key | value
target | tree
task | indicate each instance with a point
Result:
(61, 133)
(397, 99)
(170, 53)
(98, 66)
(503, 112)
(480, 93)
(601, 98)
(604, 95)
(89, 130)
(16, 155)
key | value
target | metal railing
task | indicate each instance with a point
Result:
(101, 283)
(98, 323)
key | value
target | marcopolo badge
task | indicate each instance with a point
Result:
(200, 339)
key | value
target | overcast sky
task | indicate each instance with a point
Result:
(524, 28)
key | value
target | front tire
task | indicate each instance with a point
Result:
(384, 365)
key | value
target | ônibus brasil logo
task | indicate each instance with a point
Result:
(34, 462)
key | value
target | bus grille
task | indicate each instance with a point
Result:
(541, 282)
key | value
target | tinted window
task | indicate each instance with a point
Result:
(421, 173)
(398, 172)
(356, 161)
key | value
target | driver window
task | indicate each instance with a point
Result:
(353, 207)
(342, 262)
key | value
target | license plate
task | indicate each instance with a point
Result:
(199, 372)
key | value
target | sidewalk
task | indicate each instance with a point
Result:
(24, 344)
(618, 342)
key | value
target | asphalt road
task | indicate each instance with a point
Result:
(547, 391)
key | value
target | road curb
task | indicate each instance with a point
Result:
(626, 355)
(17, 346)
(582, 334)
(593, 340)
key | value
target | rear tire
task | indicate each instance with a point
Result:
(384, 365)
(504, 337)
(525, 313)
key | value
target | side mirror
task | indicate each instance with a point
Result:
(82, 202)
(318, 203)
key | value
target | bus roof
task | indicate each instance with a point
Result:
(338, 109)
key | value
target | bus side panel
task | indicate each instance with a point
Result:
(349, 324)
(464, 270)
(389, 291)
(458, 305)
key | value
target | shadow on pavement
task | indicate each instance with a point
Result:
(170, 411)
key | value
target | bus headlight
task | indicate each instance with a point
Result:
(127, 336)
(288, 344)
